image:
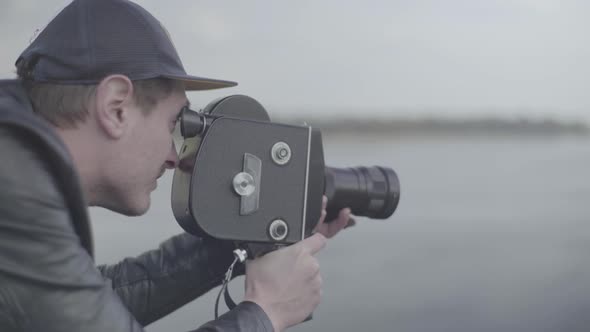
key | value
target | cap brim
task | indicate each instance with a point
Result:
(192, 83)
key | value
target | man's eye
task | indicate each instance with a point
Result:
(176, 127)
(176, 120)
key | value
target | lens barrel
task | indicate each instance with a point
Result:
(368, 191)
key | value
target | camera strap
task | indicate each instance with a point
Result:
(229, 302)
(240, 255)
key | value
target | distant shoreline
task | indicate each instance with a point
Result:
(445, 126)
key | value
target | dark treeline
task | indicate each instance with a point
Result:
(445, 126)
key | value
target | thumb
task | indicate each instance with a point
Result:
(313, 244)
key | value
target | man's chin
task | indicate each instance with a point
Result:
(127, 203)
(131, 209)
(140, 209)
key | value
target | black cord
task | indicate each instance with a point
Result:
(240, 255)
(226, 280)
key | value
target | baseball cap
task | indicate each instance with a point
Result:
(90, 39)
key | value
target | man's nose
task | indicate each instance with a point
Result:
(172, 160)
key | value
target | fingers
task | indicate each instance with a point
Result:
(314, 243)
(323, 213)
(322, 217)
(344, 218)
(351, 223)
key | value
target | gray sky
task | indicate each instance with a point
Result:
(452, 57)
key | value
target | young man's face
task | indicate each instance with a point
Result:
(148, 150)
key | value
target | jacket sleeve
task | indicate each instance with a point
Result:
(162, 280)
(48, 282)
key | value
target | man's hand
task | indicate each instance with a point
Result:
(332, 228)
(286, 283)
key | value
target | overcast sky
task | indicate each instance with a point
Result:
(476, 57)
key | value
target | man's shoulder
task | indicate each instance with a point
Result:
(40, 172)
(24, 167)
(37, 227)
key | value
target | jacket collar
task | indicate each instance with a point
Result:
(13, 95)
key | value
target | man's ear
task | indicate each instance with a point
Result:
(113, 105)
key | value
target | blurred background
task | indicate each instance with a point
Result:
(480, 106)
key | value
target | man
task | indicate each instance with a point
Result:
(89, 123)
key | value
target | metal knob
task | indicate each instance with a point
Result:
(278, 230)
(244, 184)
(281, 153)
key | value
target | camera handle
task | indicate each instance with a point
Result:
(240, 255)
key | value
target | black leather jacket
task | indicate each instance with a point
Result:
(48, 280)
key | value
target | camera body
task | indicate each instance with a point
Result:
(244, 178)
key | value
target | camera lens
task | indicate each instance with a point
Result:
(368, 191)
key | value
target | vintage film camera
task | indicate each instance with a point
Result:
(246, 179)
